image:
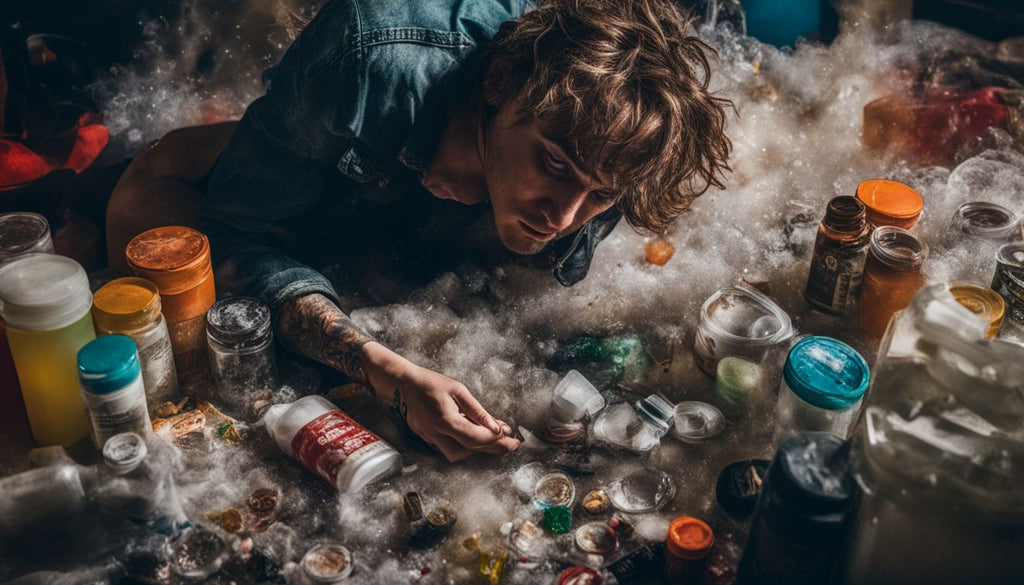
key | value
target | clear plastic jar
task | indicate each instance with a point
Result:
(990, 221)
(329, 443)
(241, 342)
(131, 307)
(112, 388)
(637, 428)
(892, 275)
(23, 233)
(938, 455)
(823, 383)
(325, 564)
(738, 321)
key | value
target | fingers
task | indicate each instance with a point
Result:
(474, 411)
(451, 449)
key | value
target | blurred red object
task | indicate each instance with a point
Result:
(76, 148)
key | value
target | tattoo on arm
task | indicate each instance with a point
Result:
(313, 326)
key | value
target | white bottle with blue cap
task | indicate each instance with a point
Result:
(112, 388)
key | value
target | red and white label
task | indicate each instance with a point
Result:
(327, 442)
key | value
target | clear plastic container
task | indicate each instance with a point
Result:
(990, 221)
(738, 321)
(939, 457)
(575, 398)
(637, 428)
(325, 564)
(241, 342)
(112, 388)
(892, 275)
(329, 443)
(131, 307)
(23, 233)
(823, 383)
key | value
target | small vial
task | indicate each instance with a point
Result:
(840, 251)
(241, 345)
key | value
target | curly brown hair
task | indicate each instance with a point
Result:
(628, 86)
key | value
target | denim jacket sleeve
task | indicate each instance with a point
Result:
(281, 159)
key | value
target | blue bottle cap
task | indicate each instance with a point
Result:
(108, 364)
(826, 373)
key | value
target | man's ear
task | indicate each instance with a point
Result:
(495, 84)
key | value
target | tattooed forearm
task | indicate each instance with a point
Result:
(313, 326)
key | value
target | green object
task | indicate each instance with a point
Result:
(735, 379)
(223, 428)
(604, 361)
(558, 519)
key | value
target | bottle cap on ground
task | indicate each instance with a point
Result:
(108, 363)
(689, 538)
(124, 452)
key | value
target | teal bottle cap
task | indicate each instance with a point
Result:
(108, 364)
(826, 373)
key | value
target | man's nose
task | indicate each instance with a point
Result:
(563, 207)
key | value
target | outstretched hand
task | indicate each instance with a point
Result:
(441, 410)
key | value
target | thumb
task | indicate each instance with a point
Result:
(475, 412)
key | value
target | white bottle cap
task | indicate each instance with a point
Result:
(43, 292)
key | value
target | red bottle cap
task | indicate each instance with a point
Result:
(689, 538)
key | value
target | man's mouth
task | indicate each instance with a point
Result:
(537, 234)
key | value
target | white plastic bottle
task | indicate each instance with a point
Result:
(329, 443)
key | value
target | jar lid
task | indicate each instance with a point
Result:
(124, 452)
(890, 198)
(108, 364)
(43, 292)
(689, 538)
(984, 302)
(986, 220)
(22, 233)
(175, 258)
(898, 248)
(124, 305)
(238, 322)
(811, 471)
(826, 373)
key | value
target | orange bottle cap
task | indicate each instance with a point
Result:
(689, 538)
(175, 258)
(890, 199)
(125, 305)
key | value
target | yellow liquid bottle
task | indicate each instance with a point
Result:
(45, 302)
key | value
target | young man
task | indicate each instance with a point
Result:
(560, 119)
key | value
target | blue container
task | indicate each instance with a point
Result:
(781, 22)
(823, 383)
(112, 388)
(108, 364)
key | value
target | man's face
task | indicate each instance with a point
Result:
(538, 189)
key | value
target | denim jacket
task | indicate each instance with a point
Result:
(353, 111)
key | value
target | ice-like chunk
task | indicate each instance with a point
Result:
(575, 397)
(642, 490)
(697, 422)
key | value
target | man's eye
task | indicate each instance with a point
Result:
(556, 164)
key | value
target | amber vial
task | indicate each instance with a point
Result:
(890, 203)
(840, 251)
(892, 276)
(687, 546)
(177, 260)
(983, 302)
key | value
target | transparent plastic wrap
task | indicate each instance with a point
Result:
(940, 453)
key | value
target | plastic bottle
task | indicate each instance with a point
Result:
(131, 306)
(20, 233)
(797, 530)
(687, 546)
(738, 321)
(329, 443)
(45, 301)
(177, 260)
(840, 250)
(112, 388)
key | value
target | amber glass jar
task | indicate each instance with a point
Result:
(840, 250)
(890, 203)
(892, 276)
(177, 260)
